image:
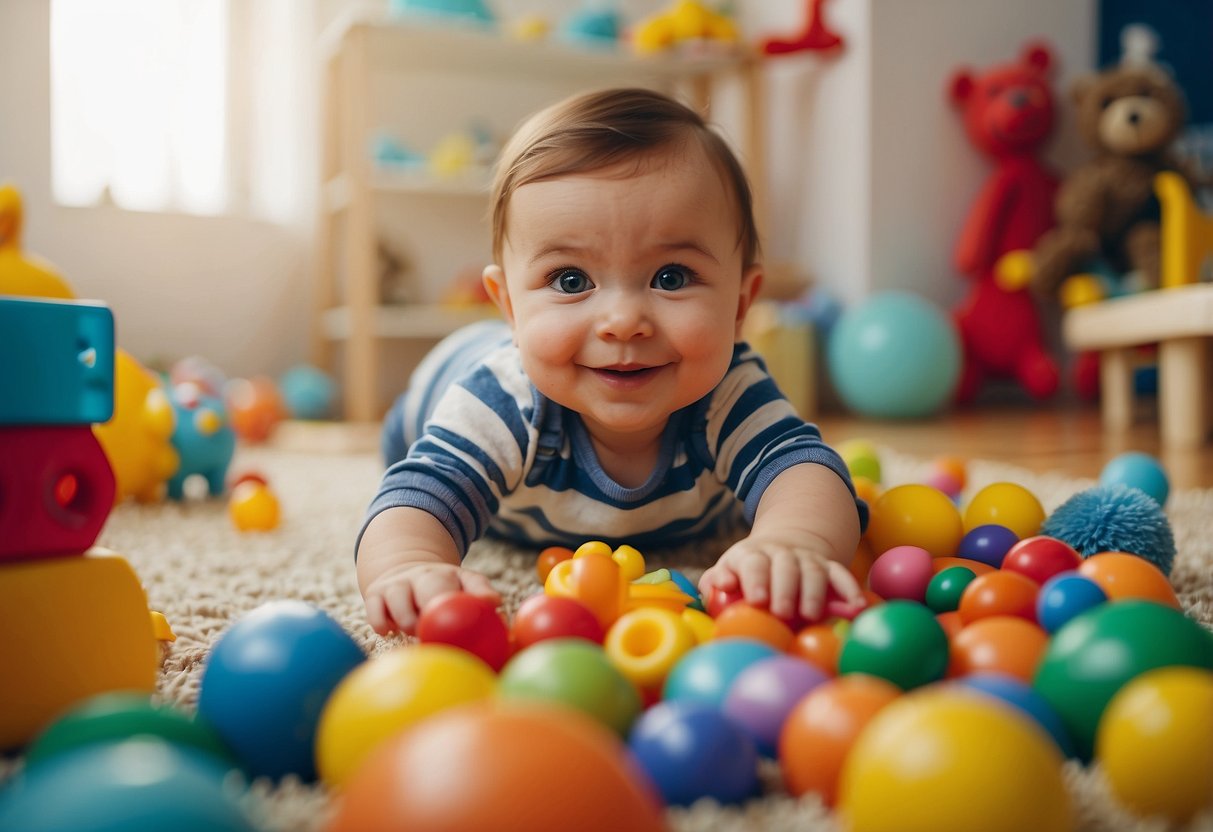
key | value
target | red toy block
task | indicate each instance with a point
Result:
(56, 490)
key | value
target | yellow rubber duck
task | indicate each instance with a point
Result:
(24, 274)
(686, 20)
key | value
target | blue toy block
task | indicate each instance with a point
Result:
(56, 362)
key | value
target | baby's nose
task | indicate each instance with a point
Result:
(625, 316)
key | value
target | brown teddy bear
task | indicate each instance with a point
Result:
(1106, 209)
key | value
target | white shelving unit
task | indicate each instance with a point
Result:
(371, 56)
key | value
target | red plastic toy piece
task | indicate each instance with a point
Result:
(1008, 113)
(815, 35)
(56, 491)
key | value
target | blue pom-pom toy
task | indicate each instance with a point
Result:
(1114, 518)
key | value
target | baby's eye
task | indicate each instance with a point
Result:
(571, 282)
(671, 278)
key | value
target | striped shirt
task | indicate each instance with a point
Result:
(487, 453)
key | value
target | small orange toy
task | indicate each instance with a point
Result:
(253, 507)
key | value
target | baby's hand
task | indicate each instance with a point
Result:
(785, 575)
(395, 598)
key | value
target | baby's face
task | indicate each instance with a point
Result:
(625, 288)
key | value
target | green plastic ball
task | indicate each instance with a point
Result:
(1090, 658)
(899, 641)
(945, 589)
(576, 673)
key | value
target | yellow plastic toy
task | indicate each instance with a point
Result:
(646, 643)
(24, 274)
(685, 21)
(137, 439)
(73, 627)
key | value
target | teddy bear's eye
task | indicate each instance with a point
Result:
(1106, 102)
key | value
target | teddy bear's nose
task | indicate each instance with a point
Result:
(1019, 98)
(1134, 117)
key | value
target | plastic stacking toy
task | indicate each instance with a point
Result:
(22, 273)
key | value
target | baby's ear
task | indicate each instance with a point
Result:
(751, 282)
(493, 279)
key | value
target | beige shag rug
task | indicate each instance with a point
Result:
(203, 575)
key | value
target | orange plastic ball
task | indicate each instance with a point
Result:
(1005, 504)
(1122, 575)
(951, 623)
(253, 507)
(999, 593)
(740, 620)
(862, 562)
(820, 645)
(954, 467)
(819, 731)
(915, 515)
(548, 559)
(507, 767)
(998, 644)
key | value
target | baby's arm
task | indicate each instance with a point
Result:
(406, 559)
(804, 537)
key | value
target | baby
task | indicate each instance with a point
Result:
(615, 402)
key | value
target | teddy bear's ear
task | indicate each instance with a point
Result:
(1038, 55)
(1081, 85)
(960, 86)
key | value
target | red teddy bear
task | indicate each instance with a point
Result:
(1008, 115)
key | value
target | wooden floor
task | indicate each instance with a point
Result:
(1064, 438)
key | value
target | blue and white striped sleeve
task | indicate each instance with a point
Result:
(753, 434)
(475, 449)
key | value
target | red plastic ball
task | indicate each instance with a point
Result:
(544, 616)
(1041, 557)
(462, 620)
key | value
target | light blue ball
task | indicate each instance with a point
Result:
(705, 674)
(308, 392)
(1138, 470)
(142, 783)
(894, 356)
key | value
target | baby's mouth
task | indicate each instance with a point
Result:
(626, 374)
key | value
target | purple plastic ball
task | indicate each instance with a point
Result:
(902, 572)
(764, 694)
(988, 544)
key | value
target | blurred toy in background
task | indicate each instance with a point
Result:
(195, 369)
(203, 437)
(597, 23)
(308, 392)
(254, 407)
(253, 506)
(21, 273)
(137, 439)
(458, 11)
(532, 27)
(684, 24)
(1008, 114)
(390, 153)
(1130, 114)
(815, 36)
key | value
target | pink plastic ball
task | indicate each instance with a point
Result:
(902, 572)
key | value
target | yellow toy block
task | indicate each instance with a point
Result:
(1187, 233)
(73, 627)
(20, 273)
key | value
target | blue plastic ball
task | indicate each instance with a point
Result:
(1020, 695)
(894, 356)
(266, 682)
(143, 783)
(988, 544)
(705, 673)
(1064, 596)
(692, 750)
(1138, 470)
(309, 393)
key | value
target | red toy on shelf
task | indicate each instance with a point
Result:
(1008, 114)
(816, 35)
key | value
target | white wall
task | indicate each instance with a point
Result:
(870, 174)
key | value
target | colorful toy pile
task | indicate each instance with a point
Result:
(74, 617)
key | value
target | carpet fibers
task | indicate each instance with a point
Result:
(203, 575)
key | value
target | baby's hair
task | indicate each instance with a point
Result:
(595, 130)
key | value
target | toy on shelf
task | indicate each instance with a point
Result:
(455, 11)
(137, 439)
(21, 273)
(203, 438)
(1130, 114)
(597, 24)
(687, 23)
(1008, 115)
(815, 36)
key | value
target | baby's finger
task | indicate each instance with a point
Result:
(785, 585)
(812, 589)
(755, 573)
(844, 583)
(476, 584)
(377, 616)
(401, 606)
(719, 577)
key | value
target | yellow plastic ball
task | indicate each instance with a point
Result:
(646, 643)
(951, 761)
(915, 515)
(1079, 290)
(631, 562)
(253, 507)
(1005, 504)
(1155, 743)
(388, 693)
(592, 547)
(702, 625)
(1013, 271)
